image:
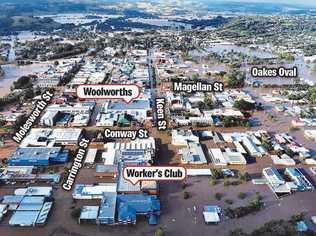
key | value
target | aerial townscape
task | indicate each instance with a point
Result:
(157, 118)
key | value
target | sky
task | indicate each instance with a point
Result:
(299, 2)
(292, 2)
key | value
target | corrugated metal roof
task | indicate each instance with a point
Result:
(125, 186)
(199, 172)
(33, 200)
(24, 218)
(90, 157)
(42, 217)
(93, 191)
(35, 191)
(135, 105)
(108, 206)
(105, 168)
(38, 155)
(12, 199)
(30, 207)
(89, 213)
(141, 203)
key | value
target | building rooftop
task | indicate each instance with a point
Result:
(34, 191)
(38, 156)
(50, 137)
(83, 191)
(134, 105)
(90, 157)
(89, 213)
(105, 168)
(43, 215)
(193, 154)
(108, 206)
(125, 186)
(24, 218)
(132, 204)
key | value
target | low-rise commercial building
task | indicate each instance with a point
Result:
(38, 156)
(49, 137)
(192, 154)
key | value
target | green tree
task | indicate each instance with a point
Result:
(242, 195)
(75, 213)
(159, 232)
(218, 196)
(244, 105)
(238, 232)
(186, 195)
(213, 181)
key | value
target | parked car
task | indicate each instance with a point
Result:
(228, 173)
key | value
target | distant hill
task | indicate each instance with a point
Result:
(131, 9)
(9, 25)
(37, 7)
(258, 7)
(197, 23)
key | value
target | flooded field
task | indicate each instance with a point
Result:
(14, 72)
(23, 36)
(79, 18)
(161, 22)
(305, 72)
(222, 48)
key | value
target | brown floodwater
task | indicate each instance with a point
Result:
(14, 72)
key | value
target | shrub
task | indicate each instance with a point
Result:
(159, 232)
(186, 195)
(235, 182)
(297, 217)
(75, 213)
(237, 232)
(244, 176)
(216, 174)
(213, 182)
(270, 116)
(244, 105)
(253, 206)
(218, 196)
(293, 128)
(229, 201)
(227, 183)
(242, 195)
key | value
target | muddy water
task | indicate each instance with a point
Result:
(13, 72)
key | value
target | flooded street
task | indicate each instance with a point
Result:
(281, 121)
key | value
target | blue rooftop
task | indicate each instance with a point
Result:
(38, 156)
(135, 104)
(107, 208)
(132, 204)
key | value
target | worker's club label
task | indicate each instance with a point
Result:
(134, 174)
(125, 92)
